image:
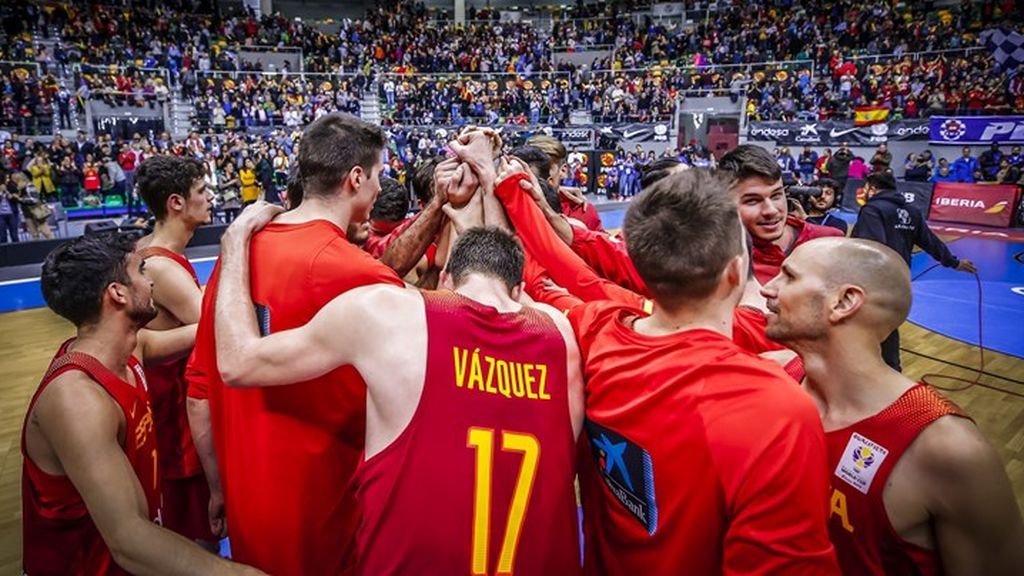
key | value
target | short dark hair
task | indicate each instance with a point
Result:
(657, 170)
(331, 146)
(536, 159)
(392, 203)
(423, 179)
(159, 177)
(682, 232)
(881, 180)
(293, 186)
(749, 161)
(76, 273)
(490, 251)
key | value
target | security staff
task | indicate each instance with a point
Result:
(888, 218)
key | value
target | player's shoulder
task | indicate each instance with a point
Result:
(75, 394)
(558, 318)
(596, 315)
(343, 260)
(748, 386)
(951, 448)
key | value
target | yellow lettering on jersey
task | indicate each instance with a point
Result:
(838, 508)
(460, 365)
(529, 381)
(476, 378)
(476, 371)
(143, 428)
(543, 381)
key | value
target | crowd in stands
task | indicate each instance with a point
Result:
(816, 61)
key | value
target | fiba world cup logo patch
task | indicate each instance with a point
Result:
(860, 462)
(952, 129)
(863, 457)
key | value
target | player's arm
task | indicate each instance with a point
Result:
(80, 423)
(608, 258)
(155, 346)
(405, 251)
(174, 289)
(565, 267)
(245, 359)
(978, 525)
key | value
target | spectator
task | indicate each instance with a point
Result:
(839, 165)
(1008, 173)
(808, 162)
(250, 188)
(989, 162)
(69, 178)
(882, 160)
(966, 167)
(10, 205)
(34, 208)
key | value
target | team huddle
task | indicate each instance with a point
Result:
(707, 391)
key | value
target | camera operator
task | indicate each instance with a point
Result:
(888, 218)
(820, 208)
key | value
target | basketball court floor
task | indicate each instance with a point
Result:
(941, 339)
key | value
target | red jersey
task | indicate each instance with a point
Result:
(481, 479)
(167, 390)
(287, 453)
(584, 212)
(861, 457)
(381, 236)
(768, 257)
(703, 457)
(60, 537)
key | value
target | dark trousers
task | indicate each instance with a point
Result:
(891, 351)
(8, 227)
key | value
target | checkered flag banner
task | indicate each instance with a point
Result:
(1006, 45)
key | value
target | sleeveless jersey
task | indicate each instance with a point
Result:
(861, 457)
(481, 479)
(167, 388)
(60, 537)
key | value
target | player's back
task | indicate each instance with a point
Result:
(702, 458)
(481, 479)
(289, 452)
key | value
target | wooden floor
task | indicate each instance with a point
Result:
(29, 338)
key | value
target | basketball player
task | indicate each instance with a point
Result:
(300, 444)
(916, 488)
(705, 458)
(474, 403)
(757, 185)
(90, 479)
(174, 189)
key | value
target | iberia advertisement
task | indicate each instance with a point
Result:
(982, 204)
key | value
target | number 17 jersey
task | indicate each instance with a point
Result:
(481, 479)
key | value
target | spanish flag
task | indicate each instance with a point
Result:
(868, 115)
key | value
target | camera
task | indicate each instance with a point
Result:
(802, 195)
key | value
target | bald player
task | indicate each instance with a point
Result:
(90, 474)
(474, 403)
(916, 488)
(174, 189)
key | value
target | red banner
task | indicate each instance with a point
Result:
(984, 204)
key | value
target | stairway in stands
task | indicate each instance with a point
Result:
(369, 104)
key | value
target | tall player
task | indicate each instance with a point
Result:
(90, 480)
(916, 488)
(757, 185)
(474, 403)
(174, 189)
(705, 458)
(286, 455)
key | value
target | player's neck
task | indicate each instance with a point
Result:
(111, 341)
(332, 208)
(785, 242)
(172, 234)
(849, 380)
(489, 292)
(714, 315)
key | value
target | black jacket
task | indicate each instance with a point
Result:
(889, 219)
